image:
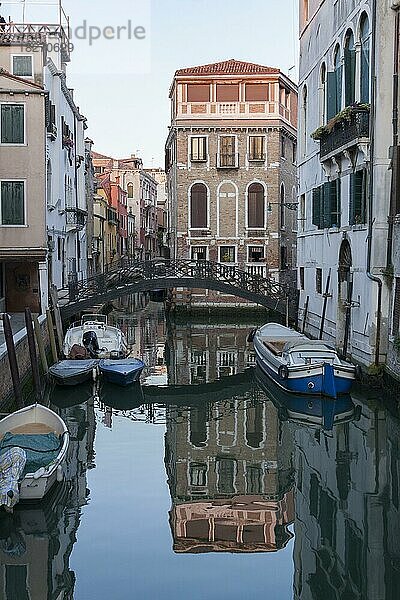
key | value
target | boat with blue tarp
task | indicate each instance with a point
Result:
(121, 371)
(300, 365)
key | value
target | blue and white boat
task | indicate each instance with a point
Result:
(300, 365)
(123, 371)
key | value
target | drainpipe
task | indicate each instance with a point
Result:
(395, 156)
(370, 276)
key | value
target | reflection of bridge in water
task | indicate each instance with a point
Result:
(131, 277)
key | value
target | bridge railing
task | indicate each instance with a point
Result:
(128, 271)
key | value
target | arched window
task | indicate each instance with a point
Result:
(282, 205)
(256, 206)
(49, 178)
(338, 81)
(364, 66)
(227, 206)
(198, 206)
(305, 124)
(322, 95)
(129, 188)
(349, 69)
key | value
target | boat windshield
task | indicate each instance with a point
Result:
(312, 357)
(94, 319)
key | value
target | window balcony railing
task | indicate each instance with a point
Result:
(239, 110)
(345, 133)
(227, 161)
(75, 217)
(112, 217)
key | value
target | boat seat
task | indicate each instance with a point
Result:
(275, 347)
(33, 428)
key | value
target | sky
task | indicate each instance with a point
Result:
(121, 85)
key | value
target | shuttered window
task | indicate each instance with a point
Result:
(22, 66)
(364, 66)
(316, 207)
(326, 205)
(12, 123)
(256, 206)
(198, 149)
(396, 308)
(358, 197)
(12, 203)
(198, 206)
(349, 69)
(256, 147)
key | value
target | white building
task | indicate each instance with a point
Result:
(343, 170)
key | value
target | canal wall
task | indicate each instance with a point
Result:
(23, 361)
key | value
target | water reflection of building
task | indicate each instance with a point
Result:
(204, 352)
(36, 541)
(347, 542)
(230, 477)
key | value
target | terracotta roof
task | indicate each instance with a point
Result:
(5, 73)
(228, 67)
(98, 155)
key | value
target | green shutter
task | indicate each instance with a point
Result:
(351, 200)
(349, 76)
(326, 203)
(339, 79)
(331, 93)
(12, 203)
(12, 124)
(335, 207)
(357, 210)
(316, 207)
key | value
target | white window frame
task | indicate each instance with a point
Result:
(265, 207)
(229, 264)
(264, 261)
(197, 161)
(256, 160)
(14, 144)
(198, 246)
(22, 180)
(227, 135)
(190, 206)
(24, 55)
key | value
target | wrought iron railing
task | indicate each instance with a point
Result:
(75, 217)
(345, 133)
(128, 272)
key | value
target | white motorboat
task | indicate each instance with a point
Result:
(94, 338)
(33, 447)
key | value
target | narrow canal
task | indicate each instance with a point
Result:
(203, 483)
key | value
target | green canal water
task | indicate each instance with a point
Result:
(203, 483)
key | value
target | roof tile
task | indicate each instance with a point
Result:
(228, 67)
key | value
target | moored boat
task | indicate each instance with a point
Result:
(121, 371)
(33, 447)
(308, 410)
(73, 372)
(94, 338)
(300, 365)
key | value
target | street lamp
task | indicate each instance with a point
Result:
(288, 205)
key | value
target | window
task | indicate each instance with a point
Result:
(322, 96)
(305, 123)
(318, 281)
(301, 278)
(226, 469)
(257, 92)
(358, 197)
(326, 207)
(49, 181)
(198, 253)
(302, 218)
(129, 188)
(255, 206)
(282, 206)
(12, 203)
(256, 254)
(334, 84)
(12, 124)
(198, 93)
(284, 258)
(294, 153)
(254, 479)
(22, 66)
(227, 151)
(198, 475)
(198, 206)
(305, 10)
(227, 254)
(364, 66)
(349, 69)
(283, 147)
(228, 92)
(256, 147)
(198, 149)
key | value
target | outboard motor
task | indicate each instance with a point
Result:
(91, 343)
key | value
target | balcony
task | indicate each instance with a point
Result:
(37, 35)
(349, 132)
(112, 216)
(227, 161)
(232, 110)
(75, 218)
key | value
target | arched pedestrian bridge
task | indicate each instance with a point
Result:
(132, 276)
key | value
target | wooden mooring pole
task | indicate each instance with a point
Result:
(12, 359)
(32, 354)
(305, 313)
(40, 344)
(326, 296)
(50, 329)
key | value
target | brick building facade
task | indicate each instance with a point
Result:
(231, 172)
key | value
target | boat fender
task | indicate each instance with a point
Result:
(39, 473)
(283, 372)
(358, 373)
(251, 335)
(60, 473)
